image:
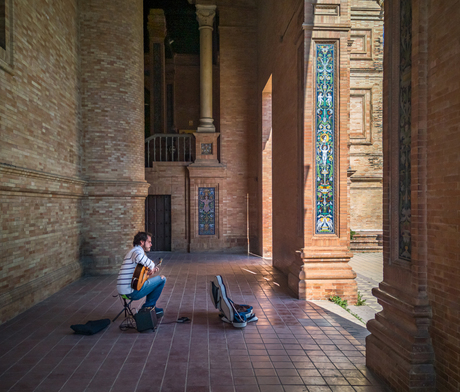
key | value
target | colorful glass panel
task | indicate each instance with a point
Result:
(325, 139)
(405, 73)
(206, 211)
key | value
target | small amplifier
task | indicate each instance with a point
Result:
(146, 319)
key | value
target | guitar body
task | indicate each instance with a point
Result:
(140, 275)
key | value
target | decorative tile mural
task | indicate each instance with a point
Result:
(325, 139)
(206, 211)
(206, 148)
(405, 74)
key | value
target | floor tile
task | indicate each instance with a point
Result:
(296, 346)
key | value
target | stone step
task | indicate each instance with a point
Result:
(377, 249)
(367, 242)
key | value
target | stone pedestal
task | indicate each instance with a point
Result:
(399, 348)
(326, 273)
(206, 149)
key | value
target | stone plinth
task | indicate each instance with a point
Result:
(399, 347)
(206, 148)
(325, 273)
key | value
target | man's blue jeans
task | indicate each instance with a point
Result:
(151, 289)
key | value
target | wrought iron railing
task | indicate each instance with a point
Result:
(169, 147)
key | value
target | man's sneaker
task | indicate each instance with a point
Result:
(159, 312)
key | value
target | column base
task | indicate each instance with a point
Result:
(206, 162)
(206, 125)
(325, 274)
(399, 347)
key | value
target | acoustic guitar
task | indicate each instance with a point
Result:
(140, 275)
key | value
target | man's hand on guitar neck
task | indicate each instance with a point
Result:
(155, 269)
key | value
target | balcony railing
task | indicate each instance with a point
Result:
(167, 147)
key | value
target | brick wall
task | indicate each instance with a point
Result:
(238, 116)
(187, 91)
(366, 156)
(39, 101)
(40, 156)
(71, 145)
(366, 209)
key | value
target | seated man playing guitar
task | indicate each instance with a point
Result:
(128, 283)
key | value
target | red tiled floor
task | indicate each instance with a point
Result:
(295, 346)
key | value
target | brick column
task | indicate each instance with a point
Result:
(323, 268)
(112, 110)
(400, 347)
(157, 34)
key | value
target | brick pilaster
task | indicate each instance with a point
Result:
(324, 269)
(113, 125)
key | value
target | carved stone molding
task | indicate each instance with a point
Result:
(205, 15)
(20, 181)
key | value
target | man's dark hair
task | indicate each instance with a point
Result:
(141, 236)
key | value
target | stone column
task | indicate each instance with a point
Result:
(157, 33)
(112, 113)
(205, 16)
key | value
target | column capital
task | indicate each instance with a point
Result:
(205, 15)
(157, 24)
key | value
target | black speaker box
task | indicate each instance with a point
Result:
(146, 319)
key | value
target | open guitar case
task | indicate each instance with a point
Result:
(230, 312)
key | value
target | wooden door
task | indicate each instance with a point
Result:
(158, 221)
